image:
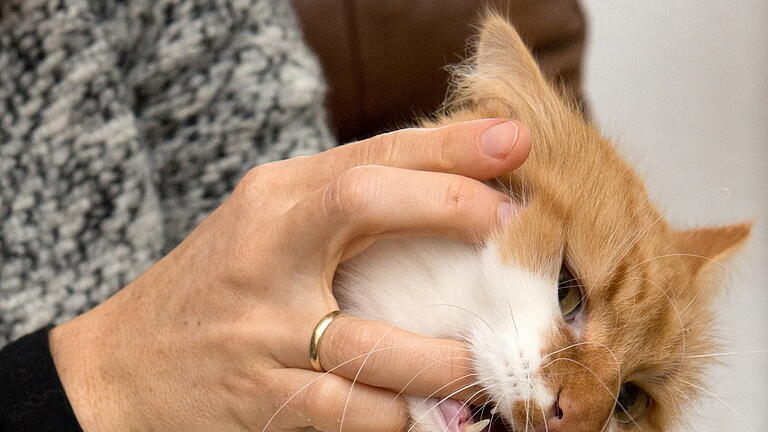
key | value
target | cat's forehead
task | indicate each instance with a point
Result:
(579, 197)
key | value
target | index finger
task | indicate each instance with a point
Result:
(385, 356)
(481, 149)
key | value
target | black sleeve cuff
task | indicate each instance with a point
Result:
(31, 395)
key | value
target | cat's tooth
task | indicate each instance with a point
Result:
(494, 410)
(477, 427)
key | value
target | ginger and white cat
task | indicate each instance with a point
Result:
(586, 311)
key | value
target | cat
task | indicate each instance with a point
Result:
(585, 311)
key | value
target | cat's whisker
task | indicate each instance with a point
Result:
(639, 207)
(598, 344)
(528, 404)
(606, 424)
(400, 393)
(346, 362)
(512, 317)
(677, 314)
(638, 235)
(465, 404)
(726, 354)
(620, 334)
(729, 406)
(692, 403)
(600, 380)
(574, 345)
(464, 310)
(446, 398)
(672, 255)
(479, 410)
(461, 389)
(696, 296)
(504, 399)
(465, 339)
(357, 375)
(744, 389)
(661, 217)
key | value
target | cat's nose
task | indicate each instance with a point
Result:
(565, 415)
(556, 414)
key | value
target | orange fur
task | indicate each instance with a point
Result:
(648, 291)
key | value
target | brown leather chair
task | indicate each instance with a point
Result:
(385, 59)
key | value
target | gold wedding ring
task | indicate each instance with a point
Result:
(317, 336)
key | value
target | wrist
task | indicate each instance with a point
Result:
(83, 352)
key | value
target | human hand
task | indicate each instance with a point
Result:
(215, 335)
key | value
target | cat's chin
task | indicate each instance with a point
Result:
(436, 415)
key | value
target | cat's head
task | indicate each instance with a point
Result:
(610, 324)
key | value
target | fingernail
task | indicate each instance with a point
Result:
(505, 211)
(499, 139)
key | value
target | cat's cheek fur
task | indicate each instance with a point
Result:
(508, 346)
(440, 288)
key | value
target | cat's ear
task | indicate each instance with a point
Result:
(502, 58)
(502, 78)
(708, 245)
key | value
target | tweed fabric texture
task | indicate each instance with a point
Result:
(123, 124)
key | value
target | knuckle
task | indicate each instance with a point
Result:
(346, 340)
(404, 148)
(324, 398)
(458, 198)
(256, 180)
(252, 179)
(443, 156)
(251, 381)
(347, 196)
(389, 146)
(371, 150)
(426, 148)
(265, 178)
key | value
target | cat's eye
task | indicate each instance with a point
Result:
(631, 403)
(569, 294)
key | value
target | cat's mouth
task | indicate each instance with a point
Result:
(461, 417)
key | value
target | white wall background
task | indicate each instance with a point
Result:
(683, 84)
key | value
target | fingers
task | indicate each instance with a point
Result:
(373, 201)
(385, 356)
(331, 403)
(480, 149)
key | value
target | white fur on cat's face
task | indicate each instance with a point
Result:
(444, 289)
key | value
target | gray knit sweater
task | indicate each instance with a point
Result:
(123, 124)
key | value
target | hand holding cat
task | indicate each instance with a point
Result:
(215, 335)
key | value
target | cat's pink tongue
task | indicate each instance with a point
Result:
(455, 413)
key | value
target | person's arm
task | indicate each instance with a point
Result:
(31, 395)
